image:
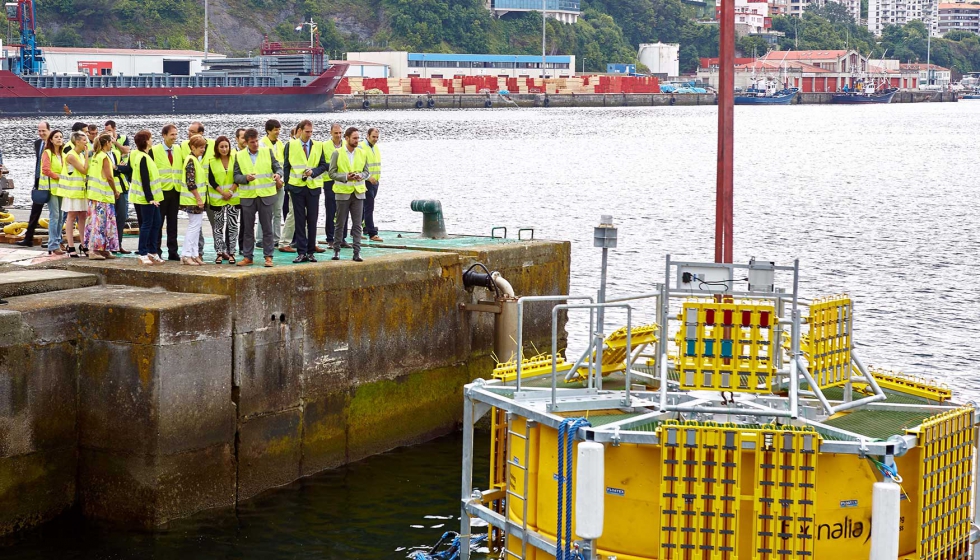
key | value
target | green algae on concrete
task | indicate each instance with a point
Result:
(202, 386)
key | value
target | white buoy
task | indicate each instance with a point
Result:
(886, 501)
(589, 490)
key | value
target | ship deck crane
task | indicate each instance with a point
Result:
(31, 59)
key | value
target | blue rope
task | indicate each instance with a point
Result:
(566, 444)
(451, 553)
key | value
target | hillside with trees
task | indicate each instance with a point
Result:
(608, 31)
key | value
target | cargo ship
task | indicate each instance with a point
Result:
(286, 76)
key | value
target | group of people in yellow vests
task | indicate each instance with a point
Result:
(230, 182)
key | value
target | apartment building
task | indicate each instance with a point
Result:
(900, 12)
(959, 16)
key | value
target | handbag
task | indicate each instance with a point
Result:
(40, 197)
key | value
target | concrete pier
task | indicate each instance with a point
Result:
(141, 394)
(479, 101)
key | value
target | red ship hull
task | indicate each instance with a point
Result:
(19, 98)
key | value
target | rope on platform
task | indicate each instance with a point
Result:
(452, 552)
(566, 444)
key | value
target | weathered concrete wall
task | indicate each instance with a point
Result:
(179, 389)
(38, 452)
(479, 101)
(336, 363)
(120, 398)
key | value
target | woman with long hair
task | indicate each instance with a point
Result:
(71, 185)
(101, 237)
(52, 163)
(193, 196)
(224, 201)
(145, 193)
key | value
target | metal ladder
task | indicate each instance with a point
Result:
(526, 436)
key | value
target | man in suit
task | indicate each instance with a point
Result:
(259, 178)
(42, 137)
(303, 164)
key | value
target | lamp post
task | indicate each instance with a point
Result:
(205, 29)
(583, 64)
(604, 237)
(929, 51)
(544, 30)
(312, 25)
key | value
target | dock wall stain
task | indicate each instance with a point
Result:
(161, 392)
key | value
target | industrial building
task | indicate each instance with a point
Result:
(118, 62)
(565, 11)
(814, 71)
(403, 64)
(660, 58)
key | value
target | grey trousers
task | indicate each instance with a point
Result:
(249, 208)
(355, 207)
(276, 220)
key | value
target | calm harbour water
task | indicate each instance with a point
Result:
(879, 202)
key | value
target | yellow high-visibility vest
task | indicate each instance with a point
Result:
(225, 179)
(72, 181)
(278, 148)
(47, 183)
(344, 166)
(299, 162)
(200, 179)
(171, 174)
(373, 154)
(97, 188)
(136, 195)
(263, 184)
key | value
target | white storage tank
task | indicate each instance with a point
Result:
(661, 58)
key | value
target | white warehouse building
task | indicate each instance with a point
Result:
(116, 62)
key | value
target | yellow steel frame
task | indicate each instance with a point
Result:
(530, 368)
(947, 442)
(726, 346)
(700, 485)
(498, 469)
(828, 346)
(785, 492)
(902, 383)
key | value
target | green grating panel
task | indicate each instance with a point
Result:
(878, 424)
(837, 394)
(645, 427)
(597, 421)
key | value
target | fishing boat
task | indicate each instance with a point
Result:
(737, 421)
(870, 92)
(766, 92)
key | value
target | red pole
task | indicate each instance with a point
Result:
(726, 122)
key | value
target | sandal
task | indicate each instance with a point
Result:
(71, 252)
(231, 259)
(219, 258)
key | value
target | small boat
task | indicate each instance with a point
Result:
(974, 94)
(868, 94)
(765, 92)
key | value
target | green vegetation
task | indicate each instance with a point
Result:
(608, 31)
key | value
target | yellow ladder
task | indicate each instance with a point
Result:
(511, 463)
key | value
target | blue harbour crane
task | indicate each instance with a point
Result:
(31, 59)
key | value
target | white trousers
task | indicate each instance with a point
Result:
(192, 236)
